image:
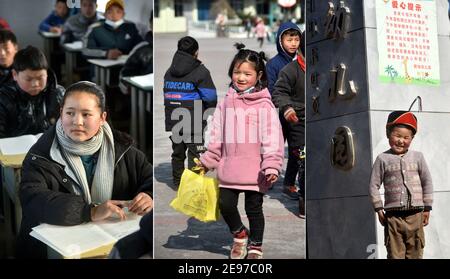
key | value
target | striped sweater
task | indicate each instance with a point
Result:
(406, 180)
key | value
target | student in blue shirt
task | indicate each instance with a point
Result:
(54, 22)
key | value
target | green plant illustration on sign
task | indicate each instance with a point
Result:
(391, 72)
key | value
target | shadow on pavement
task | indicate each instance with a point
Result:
(277, 193)
(163, 174)
(211, 237)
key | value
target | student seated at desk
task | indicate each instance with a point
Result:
(112, 37)
(77, 25)
(54, 22)
(140, 61)
(8, 48)
(81, 170)
(30, 103)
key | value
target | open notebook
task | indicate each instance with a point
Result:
(18, 145)
(92, 239)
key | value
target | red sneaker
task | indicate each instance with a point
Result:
(239, 248)
(254, 253)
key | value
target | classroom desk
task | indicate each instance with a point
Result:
(11, 167)
(141, 101)
(49, 43)
(103, 68)
(72, 50)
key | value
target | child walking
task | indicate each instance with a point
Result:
(246, 147)
(408, 189)
(188, 85)
(288, 41)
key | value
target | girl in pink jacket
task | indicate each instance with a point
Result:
(260, 31)
(246, 147)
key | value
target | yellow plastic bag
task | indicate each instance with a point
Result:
(197, 196)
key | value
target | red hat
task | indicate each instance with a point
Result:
(4, 24)
(402, 117)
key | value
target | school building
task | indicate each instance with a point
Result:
(172, 16)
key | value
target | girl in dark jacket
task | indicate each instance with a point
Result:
(81, 171)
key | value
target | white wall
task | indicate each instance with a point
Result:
(24, 17)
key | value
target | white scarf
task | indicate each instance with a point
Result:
(102, 184)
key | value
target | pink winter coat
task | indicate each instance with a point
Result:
(260, 30)
(246, 141)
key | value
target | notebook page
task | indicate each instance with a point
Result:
(71, 241)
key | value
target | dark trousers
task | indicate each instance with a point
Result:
(301, 175)
(294, 133)
(261, 41)
(179, 156)
(253, 207)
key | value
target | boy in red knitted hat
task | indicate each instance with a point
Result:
(408, 190)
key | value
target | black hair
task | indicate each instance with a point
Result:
(6, 35)
(30, 58)
(62, 1)
(253, 57)
(188, 44)
(291, 32)
(94, 1)
(87, 87)
(391, 127)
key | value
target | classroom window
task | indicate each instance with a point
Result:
(156, 8)
(237, 5)
(178, 8)
(262, 7)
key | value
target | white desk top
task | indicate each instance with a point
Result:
(106, 63)
(144, 82)
(75, 46)
(49, 34)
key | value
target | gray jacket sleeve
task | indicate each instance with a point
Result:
(67, 34)
(427, 184)
(376, 179)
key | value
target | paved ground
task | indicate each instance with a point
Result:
(178, 236)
